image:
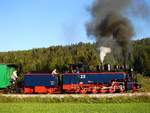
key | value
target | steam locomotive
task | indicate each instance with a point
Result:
(79, 80)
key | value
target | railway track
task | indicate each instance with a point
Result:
(75, 95)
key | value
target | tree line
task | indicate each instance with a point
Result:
(46, 59)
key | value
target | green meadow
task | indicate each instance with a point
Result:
(25, 107)
(124, 104)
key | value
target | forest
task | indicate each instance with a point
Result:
(46, 59)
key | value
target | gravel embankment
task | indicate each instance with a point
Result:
(75, 95)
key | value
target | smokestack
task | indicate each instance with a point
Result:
(111, 27)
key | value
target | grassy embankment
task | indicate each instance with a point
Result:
(74, 108)
(144, 82)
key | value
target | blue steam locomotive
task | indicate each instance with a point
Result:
(79, 82)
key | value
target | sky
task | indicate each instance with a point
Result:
(27, 24)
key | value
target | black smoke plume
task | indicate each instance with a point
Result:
(110, 25)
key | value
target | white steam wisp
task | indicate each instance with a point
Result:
(103, 52)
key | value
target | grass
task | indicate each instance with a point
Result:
(145, 83)
(84, 99)
(74, 108)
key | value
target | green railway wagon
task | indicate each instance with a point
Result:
(6, 71)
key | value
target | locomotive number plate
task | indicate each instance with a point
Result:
(82, 76)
